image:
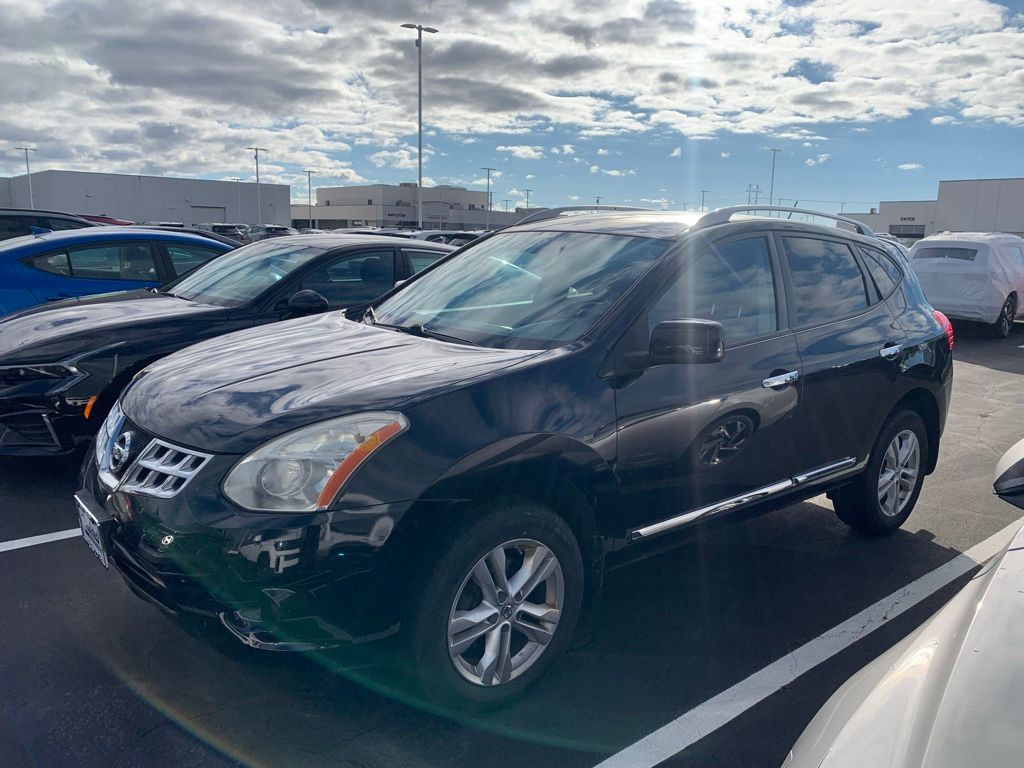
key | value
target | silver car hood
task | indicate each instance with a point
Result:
(950, 695)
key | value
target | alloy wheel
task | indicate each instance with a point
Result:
(898, 475)
(506, 612)
(725, 440)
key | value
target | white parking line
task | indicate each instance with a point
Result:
(31, 541)
(705, 718)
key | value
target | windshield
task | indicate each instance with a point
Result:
(242, 275)
(533, 290)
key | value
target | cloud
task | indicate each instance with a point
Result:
(400, 159)
(574, 198)
(530, 176)
(564, 149)
(602, 152)
(725, 155)
(910, 166)
(943, 120)
(612, 171)
(661, 202)
(677, 152)
(523, 151)
(821, 159)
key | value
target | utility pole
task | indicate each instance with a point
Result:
(771, 186)
(597, 200)
(420, 29)
(506, 202)
(487, 215)
(238, 194)
(28, 175)
(702, 193)
(309, 197)
(259, 206)
(757, 193)
(527, 191)
(750, 190)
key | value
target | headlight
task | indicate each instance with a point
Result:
(12, 375)
(304, 470)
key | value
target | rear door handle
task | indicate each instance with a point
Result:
(781, 380)
(891, 351)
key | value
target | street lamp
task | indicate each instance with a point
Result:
(420, 29)
(238, 195)
(771, 186)
(487, 215)
(28, 175)
(702, 193)
(259, 207)
(527, 191)
(309, 197)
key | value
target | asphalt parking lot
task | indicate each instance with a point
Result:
(92, 676)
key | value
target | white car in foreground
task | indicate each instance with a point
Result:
(950, 695)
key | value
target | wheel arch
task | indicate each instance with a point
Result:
(923, 402)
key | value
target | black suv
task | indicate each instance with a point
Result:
(458, 468)
(18, 222)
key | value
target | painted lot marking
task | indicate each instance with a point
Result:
(705, 718)
(31, 541)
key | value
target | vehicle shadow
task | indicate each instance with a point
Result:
(672, 631)
(974, 345)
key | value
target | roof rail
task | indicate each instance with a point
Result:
(723, 215)
(554, 213)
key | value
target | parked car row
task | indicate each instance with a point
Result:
(453, 461)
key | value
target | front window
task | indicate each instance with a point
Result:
(527, 290)
(240, 276)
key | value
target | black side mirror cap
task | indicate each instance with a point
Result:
(686, 341)
(307, 302)
(1009, 480)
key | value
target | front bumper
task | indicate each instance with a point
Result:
(43, 426)
(274, 582)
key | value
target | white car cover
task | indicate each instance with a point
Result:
(968, 276)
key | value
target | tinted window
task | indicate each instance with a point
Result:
(731, 284)
(54, 263)
(827, 281)
(57, 224)
(885, 274)
(130, 261)
(939, 252)
(353, 278)
(528, 290)
(16, 226)
(188, 257)
(420, 260)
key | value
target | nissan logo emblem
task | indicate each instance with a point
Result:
(119, 453)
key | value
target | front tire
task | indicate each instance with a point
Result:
(498, 607)
(1001, 328)
(881, 498)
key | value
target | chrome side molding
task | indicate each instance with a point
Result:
(758, 494)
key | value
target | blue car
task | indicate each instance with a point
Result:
(54, 266)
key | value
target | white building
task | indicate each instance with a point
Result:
(150, 198)
(962, 205)
(391, 205)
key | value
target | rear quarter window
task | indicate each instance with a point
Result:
(884, 272)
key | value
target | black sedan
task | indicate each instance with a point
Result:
(63, 365)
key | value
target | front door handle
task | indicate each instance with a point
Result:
(891, 351)
(781, 380)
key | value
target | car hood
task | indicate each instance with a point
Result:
(232, 393)
(54, 332)
(947, 696)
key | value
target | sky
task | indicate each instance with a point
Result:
(642, 102)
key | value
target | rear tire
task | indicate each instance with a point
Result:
(881, 498)
(463, 595)
(1002, 327)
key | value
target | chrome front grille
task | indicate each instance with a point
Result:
(162, 469)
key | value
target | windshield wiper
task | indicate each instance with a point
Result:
(369, 313)
(418, 329)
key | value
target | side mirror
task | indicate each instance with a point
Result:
(686, 341)
(1009, 482)
(307, 302)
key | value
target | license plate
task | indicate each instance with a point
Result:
(94, 527)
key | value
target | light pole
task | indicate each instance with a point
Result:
(28, 175)
(487, 216)
(771, 186)
(259, 207)
(420, 29)
(702, 193)
(527, 191)
(506, 202)
(309, 197)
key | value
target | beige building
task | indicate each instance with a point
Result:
(962, 205)
(391, 205)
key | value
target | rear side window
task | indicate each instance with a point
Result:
(943, 252)
(16, 226)
(827, 281)
(353, 278)
(731, 284)
(129, 261)
(187, 257)
(57, 224)
(883, 271)
(420, 260)
(54, 263)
